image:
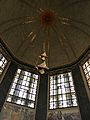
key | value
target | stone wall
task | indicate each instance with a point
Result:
(14, 112)
(64, 115)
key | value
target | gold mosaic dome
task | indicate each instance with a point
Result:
(59, 28)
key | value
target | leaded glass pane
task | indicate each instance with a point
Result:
(23, 90)
(86, 69)
(62, 92)
(3, 63)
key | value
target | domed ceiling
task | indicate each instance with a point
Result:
(61, 28)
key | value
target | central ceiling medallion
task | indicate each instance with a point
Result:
(48, 18)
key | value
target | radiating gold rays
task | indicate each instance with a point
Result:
(26, 20)
(31, 38)
(32, 35)
(70, 22)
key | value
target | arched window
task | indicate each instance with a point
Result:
(86, 69)
(24, 88)
(3, 63)
(62, 92)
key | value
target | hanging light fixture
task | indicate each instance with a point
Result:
(42, 66)
(42, 63)
(47, 19)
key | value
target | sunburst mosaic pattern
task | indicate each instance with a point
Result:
(47, 20)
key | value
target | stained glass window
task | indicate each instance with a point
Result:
(86, 68)
(62, 92)
(3, 63)
(24, 88)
